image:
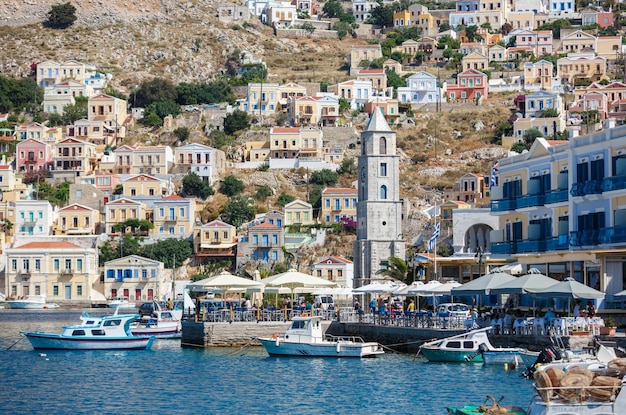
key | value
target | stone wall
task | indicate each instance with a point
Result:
(297, 33)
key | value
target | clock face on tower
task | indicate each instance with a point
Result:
(363, 173)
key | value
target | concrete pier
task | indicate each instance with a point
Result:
(401, 339)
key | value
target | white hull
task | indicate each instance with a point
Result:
(279, 347)
(30, 305)
(158, 332)
(122, 305)
(60, 342)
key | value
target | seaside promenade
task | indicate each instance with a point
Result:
(402, 332)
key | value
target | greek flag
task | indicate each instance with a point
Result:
(494, 171)
(431, 242)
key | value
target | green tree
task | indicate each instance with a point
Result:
(344, 105)
(75, 112)
(154, 90)
(530, 136)
(332, 8)
(348, 166)
(61, 16)
(324, 177)
(164, 108)
(172, 252)
(396, 269)
(236, 121)
(263, 192)
(231, 186)
(550, 113)
(284, 199)
(343, 29)
(382, 16)
(444, 26)
(182, 133)
(395, 80)
(471, 32)
(119, 189)
(193, 185)
(237, 211)
(152, 120)
(519, 147)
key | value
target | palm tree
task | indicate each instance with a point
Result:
(396, 269)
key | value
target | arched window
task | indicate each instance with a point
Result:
(382, 143)
(383, 192)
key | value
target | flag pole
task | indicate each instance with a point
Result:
(435, 245)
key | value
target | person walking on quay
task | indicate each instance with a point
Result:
(373, 306)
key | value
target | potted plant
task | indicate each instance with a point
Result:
(609, 327)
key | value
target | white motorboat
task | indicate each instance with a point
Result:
(305, 338)
(103, 333)
(162, 324)
(472, 346)
(31, 302)
(588, 390)
(121, 302)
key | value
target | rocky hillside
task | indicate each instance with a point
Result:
(182, 41)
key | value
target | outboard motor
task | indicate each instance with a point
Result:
(547, 355)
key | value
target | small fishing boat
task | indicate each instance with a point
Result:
(468, 347)
(580, 390)
(494, 409)
(305, 338)
(162, 324)
(31, 302)
(105, 333)
(121, 302)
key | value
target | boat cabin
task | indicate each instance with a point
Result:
(305, 330)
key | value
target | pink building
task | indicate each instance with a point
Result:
(471, 85)
(601, 18)
(32, 155)
(106, 182)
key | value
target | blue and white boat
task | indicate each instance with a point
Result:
(472, 346)
(104, 333)
(305, 338)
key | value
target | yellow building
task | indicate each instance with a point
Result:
(298, 213)
(136, 278)
(50, 73)
(174, 217)
(256, 150)
(578, 41)
(425, 21)
(290, 142)
(144, 185)
(446, 210)
(401, 18)
(547, 126)
(262, 99)
(121, 210)
(288, 91)
(314, 111)
(111, 111)
(475, 61)
(72, 155)
(38, 132)
(214, 241)
(60, 270)
(609, 47)
(583, 66)
(539, 74)
(377, 77)
(76, 220)
(338, 203)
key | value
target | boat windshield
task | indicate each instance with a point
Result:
(112, 323)
(298, 324)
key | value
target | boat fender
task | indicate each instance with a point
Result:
(338, 347)
(275, 336)
(277, 341)
(304, 315)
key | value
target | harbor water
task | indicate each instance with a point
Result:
(169, 379)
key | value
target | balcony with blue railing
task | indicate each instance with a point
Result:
(528, 245)
(504, 248)
(577, 189)
(613, 183)
(612, 235)
(593, 187)
(530, 201)
(585, 238)
(557, 243)
(503, 205)
(557, 196)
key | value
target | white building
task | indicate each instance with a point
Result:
(421, 88)
(34, 217)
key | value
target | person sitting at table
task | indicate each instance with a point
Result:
(507, 322)
(549, 316)
(577, 308)
(591, 309)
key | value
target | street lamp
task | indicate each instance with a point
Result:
(479, 258)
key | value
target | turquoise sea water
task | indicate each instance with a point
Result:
(172, 380)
